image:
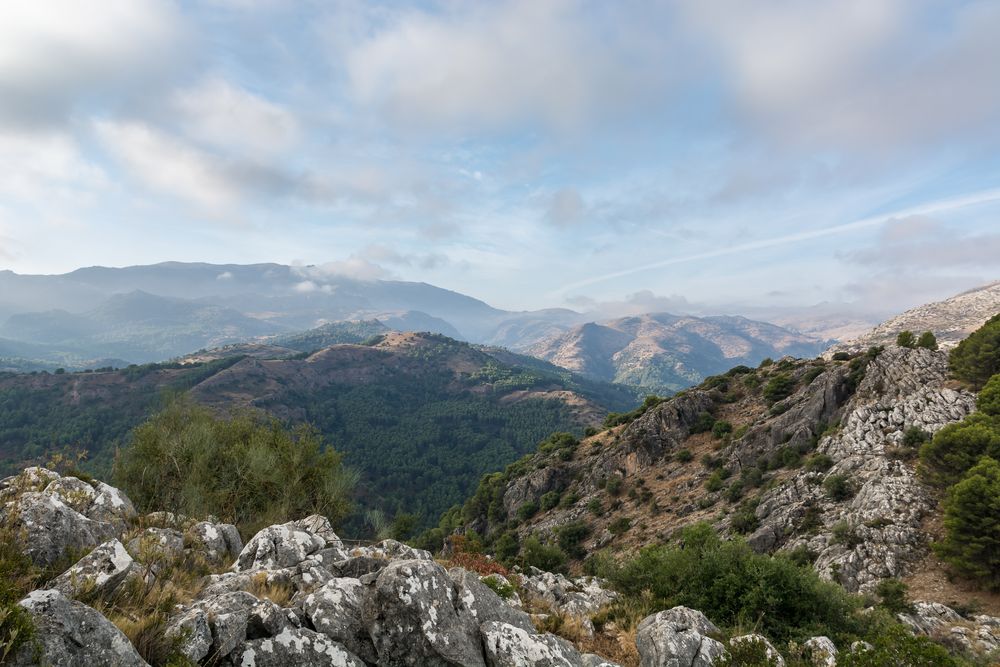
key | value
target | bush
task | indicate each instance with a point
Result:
(915, 437)
(906, 339)
(620, 525)
(499, 586)
(927, 340)
(546, 557)
(957, 447)
(988, 401)
(893, 645)
(549, 500)
(704, 423)
(819, 463)
(972, 525)
(715, 482)
(721, 428)
(506, 546)
(246, 469)
(595, 507)
(527, 510)
(841, 356)
(734, 586)
(570, 536)
(685, 456)
(614, 485)
(17, 575)
(838, 487)
(744, 520)
(892, 596)
(977, 358)
(779, 387)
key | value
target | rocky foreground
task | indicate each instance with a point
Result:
(296, 594)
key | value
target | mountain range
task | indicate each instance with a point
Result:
(96, 317)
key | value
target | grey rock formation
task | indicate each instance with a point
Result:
(98, 574)
(414, 618)
(978, 635)
(592, 660)
(277, 547)
(336, 610)
(581, 596)
(293, 646)
(155, 544)
(218, 542)
(70, 634)
(822, 651)
(510, 646)
(677, 638)
(479, 601)
(51, 529)
(901, 388)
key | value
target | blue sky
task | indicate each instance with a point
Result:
(701, 156)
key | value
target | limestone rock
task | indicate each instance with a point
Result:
(822, 651)
(483, 604)
(69, 633)
(677, 637)
(99, 573)
(336, 610)
(294, 646)
(219, 542)
(51, 528)
(414, 618)
(510, 646)
(771, 653)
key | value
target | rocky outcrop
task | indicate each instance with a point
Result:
(98, 574)
(69, 633)
(901, 389)
(510, 646)
(976, 634)
(335, 610)
(678, 637)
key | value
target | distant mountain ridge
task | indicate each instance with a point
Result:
(662, 351)
(950, 320)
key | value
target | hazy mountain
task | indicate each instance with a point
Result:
(669, 352)
(950, 320)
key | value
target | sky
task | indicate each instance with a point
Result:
(534, 153)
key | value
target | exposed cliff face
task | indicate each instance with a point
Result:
(950, 320)
(822, 471)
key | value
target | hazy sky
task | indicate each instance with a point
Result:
(535, 153)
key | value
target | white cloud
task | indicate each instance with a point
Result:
(354, 267)
(487, 66)
(57, 52)
(165, 164)
(46, 167)
(565, 208)
(920, 243)
(219, 113)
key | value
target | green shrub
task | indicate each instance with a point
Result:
(571, 535)
(595, 507)
(844, 533)
(819, 463)
(839, 487)
(744, 520)
(841, 356)
(546, 557)
(499, 586)
(780, 386)
(892, 596)
(894, 646)
(988, 401)
(614, 485)
(549, 500)
(957, 447)
(246, 469)
(906, 339)
(972, 525)
(684, 456)
(506, 546)
(734, 587)
(977, 358)
(765, 362)
(704, 423)
(915, 437)
(17, 577)
(721, 428)
(527, 510)
(927, 340)
(620, 525)
(715, 482)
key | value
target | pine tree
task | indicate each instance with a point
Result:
(928, 340)
(972, 523)
(906, 339)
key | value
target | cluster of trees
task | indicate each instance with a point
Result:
(247, 469)
(909, 340)
(964, 459)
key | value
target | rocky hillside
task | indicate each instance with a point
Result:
(90, 581)
(664, 352)
(950, 320)
(421, 416)
(803, 457)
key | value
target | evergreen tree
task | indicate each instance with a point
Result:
(927, 340)
(972, 523)
(977, 358)
(906, 339)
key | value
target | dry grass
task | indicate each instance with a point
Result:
(280, 593)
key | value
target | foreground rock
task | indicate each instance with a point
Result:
(70, 633)
(678, 637)
(510, 646)
(98, 574)
(977, 634)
